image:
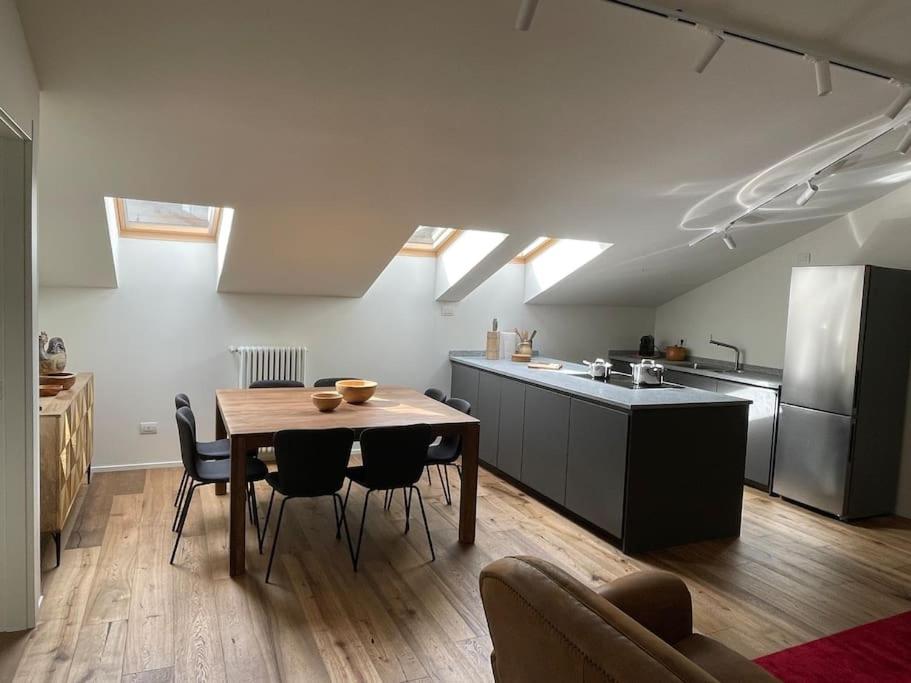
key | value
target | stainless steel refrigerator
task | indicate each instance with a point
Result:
(844, 387)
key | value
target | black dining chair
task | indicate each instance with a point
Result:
(393, 459)
(220, 449)
(436, 394)
(203, 472)
(277, 384)
(444, 454)
(310, 464)
(329, 381)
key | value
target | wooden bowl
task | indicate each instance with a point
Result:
(356, 390)
(65, 379)
(326, 401)
(45, 390)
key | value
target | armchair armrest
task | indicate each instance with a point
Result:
(658, 600)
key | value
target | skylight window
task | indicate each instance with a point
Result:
(429, 241)
(165, 220)
(556, 262)
(534, 249)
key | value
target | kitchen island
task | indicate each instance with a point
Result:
(648, 467)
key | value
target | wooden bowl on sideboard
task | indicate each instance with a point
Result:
(46, 390)
(326, 401)
(356, 390)
(64, 379)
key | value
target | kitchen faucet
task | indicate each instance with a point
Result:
(737, 366)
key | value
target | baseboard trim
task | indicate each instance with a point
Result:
(136, 466)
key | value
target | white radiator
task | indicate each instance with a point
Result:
(269, 362)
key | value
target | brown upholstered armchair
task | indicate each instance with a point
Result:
(547, 626)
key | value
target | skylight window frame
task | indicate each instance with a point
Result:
(539, 249)
(154, 231)
(438, 247)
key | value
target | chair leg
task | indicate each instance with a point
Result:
(278, 528)
(387, 500)
(181, 497)
(57, 541)
(433, 555)
(360, 535)
(183, 518)
(407, 498)
(255, 507)
(262, 536)
(459, 470)
(448, 488)
(183, 482)
(338, 529)
(347, 533)
(250, 500)
(443, 485)
(429, 480)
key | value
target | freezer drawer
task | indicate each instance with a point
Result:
(811, 460)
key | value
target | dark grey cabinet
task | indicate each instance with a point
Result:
(487, 411)
(544, 443)
(596, 464)
(465, 383)
(511, 427)
(761, 432)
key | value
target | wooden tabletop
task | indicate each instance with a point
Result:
(261, 411)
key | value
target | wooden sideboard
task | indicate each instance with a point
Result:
(67, 426)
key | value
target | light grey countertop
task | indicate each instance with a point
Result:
(767, 378)
(573, 379)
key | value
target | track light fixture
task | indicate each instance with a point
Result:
(704, 236)
(903, 97)
(526, 14)
(905, 144)
(823, 75)
(717, 40)
(728, 240)
(807, 194)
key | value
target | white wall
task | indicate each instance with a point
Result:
(167, 330)
(18, 466)
(748, 306)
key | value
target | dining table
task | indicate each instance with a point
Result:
(251, 417)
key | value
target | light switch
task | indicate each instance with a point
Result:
(148, 428)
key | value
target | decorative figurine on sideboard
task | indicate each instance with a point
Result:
(51, 354)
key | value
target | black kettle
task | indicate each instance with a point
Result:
(647, 346)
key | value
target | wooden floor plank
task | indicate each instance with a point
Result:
(116, 610)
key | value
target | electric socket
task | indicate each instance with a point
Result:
(148, 428)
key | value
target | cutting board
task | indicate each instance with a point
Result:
(545, 366)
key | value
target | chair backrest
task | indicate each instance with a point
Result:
(450, 446)
(330, 381)
(277, 384)
(545, 624)
(436, 394)
(395, 456)
(312, 462)
(181, 401)
(186, 431)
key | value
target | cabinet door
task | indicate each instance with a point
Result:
(465, 383)
(488, 412)
(596, 464)
(544, 449)
(760, 436)
(689, 380)
(512, 421)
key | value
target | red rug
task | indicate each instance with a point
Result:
(879, 651)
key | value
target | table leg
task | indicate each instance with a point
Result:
(468, 494)
(238, 507)
(220, 433)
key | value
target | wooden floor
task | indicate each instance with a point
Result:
(115, 610)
